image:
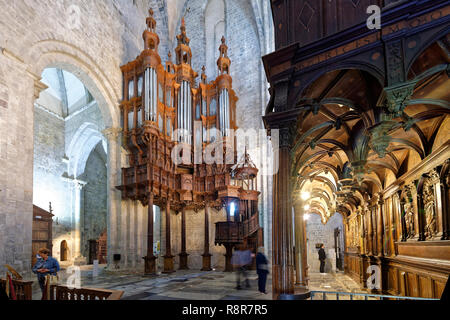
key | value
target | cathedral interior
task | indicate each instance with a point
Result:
(145, 142)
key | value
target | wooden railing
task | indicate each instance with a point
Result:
(58, 292)
(251, 225)
(22, 288)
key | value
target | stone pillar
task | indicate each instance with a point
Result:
(301, 263)
(76, 236)
(114, 197)
(168, 257)
(150, 265)
(183, 254)
(282, 259)
(206, 255)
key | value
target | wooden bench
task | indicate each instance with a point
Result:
(58, 292)
(23, 289)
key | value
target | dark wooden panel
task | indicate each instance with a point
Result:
(411, 285)
(425, 287)
(306, 20)
(438, 288)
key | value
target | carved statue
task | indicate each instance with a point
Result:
(430, 214)
(409, 220)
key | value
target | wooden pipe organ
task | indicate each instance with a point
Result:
(163, 108)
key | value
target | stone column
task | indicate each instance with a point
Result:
(206, 255)
(301, 263)
(282, 259)
(183, 254)
(78, 258)
(150, 265)
(114, 197)
(168, 257)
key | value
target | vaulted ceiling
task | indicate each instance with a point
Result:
(67, 89)
(341, 111)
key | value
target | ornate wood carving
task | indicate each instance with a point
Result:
(168, 119)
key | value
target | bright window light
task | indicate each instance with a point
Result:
(232, 208)
(305, 195)
(306, 216)
(307, 207)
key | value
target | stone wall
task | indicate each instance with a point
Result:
(16, 165)
(317, 232)
(93, 218)
(106, 35)
(48, 166)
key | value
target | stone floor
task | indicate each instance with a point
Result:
(194, 285)
(335, 282)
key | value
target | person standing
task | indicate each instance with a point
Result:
(45, 265)
(262, 269)
(322, 257)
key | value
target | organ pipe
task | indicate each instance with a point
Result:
(147, 94)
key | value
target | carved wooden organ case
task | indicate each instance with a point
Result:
(159, 100)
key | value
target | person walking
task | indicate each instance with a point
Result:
(322, 257)
(45, 265)
(262, 269)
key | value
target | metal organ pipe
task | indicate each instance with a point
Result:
(155, 94)
(185, 106)
(146, 94)
(179, 112)
(190, 114)
(227, 110)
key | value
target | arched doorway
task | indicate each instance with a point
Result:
(70, 160)
(64, 250)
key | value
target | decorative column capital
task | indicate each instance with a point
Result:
(39, 86)
(112, 133)
(434, 176)
(398, 96)
(380, 199)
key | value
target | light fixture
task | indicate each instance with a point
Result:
(307, 207)
(305, 195)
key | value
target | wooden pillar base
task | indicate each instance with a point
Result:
(277, 274)
(183, 261)
(149, 265)
(168, 264)
(206, 262)
(228, 255)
